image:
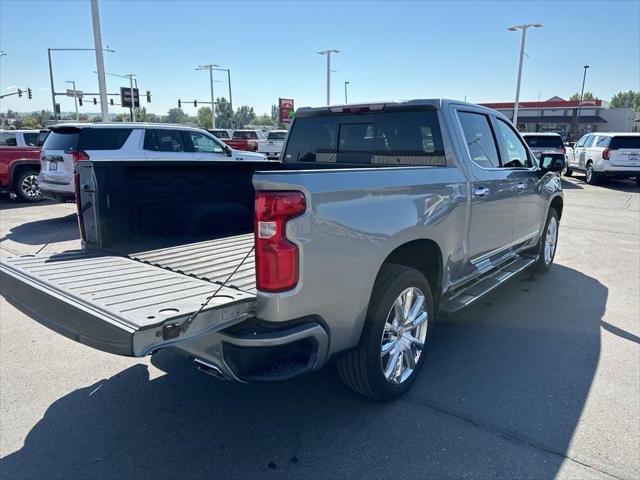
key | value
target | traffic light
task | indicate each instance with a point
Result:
(95, 101)
(58, 108)
(111, 101)
(195, 103)
(80, 101)
(29, 93)
(148, 96)
(19, 92)
(179, 104)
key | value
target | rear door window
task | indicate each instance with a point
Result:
(31, 139)
(589, 141)
(625, 142)
(602, 142)
(103, 138)
(164, 140)
(385, 138)
(479, 139)
(204, 144)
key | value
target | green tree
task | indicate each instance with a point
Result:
(243, 116)
(263, 119)
(204, 117)
(626, 99)
(177, 115)
(224, 114)
(587, 96)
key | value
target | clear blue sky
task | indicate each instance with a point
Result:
(390, 50)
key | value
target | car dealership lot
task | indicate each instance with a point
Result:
(538, 379)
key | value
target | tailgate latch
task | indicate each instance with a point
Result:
(171, 330)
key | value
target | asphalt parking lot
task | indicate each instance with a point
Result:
(540, 379)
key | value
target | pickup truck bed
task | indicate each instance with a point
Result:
(126, 299)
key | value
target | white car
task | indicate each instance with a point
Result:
(606, 155)
(544, 142)
(272, 146)
(22, 138)
(68, 144)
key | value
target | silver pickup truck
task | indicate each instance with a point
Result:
(379, 218)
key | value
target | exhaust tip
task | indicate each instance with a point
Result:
(209, 369)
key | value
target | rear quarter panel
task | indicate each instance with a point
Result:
(354, 220)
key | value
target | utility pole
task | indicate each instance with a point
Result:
(228, 82)
(524, 28)
(345, 91)
(328, 54)
(2, 54)
(211, 67)
(75, 98)
(102, 84)
(133, 110)
(584, 78)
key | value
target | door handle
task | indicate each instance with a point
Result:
(481, 191)
(520, 186)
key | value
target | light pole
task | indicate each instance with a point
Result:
(211, 67)
(53, 91)
(97, 42)
(229, 83)
(130, 76)
(515, 28)
(328, 54)
(75, 98)
(584, 78)
(2, 54)
(345, 91)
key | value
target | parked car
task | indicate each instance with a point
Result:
(246, 140)
(540, 142)
(379, 217)
(23, 138)
(272, 145)
(603, 155)
(222, 133)
(70, 143)
(19, 168)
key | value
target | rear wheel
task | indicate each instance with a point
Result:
(591, 177)
(548, 242)
(399, 320)
(26, 186)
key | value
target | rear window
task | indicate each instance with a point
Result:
(625, 142)
(276, 135)
(42, 136)
(87, 138)
(219, 133)
(245, 135)
(544, 141)
(31, 139)
(384, 138)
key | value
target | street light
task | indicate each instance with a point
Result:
(515, 28)
(328, 54)
(75, 98)
(53, 91)
(211, 67)
(228, 82)
(584, 77)
(345, 91)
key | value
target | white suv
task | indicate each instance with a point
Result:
(606, 154)
(70, 143)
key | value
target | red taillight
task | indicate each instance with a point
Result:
(277, 259)
(564, 149)
(76, 185)
(605, 153)
(78, 155)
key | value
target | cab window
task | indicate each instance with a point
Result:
(203, 143)
(479, 139)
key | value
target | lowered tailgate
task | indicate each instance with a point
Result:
(117, 304)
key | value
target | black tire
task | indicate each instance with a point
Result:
(566, 171)
(591, 177)
(26, 186)
(543, 264)
(638, 181)
(361, 369)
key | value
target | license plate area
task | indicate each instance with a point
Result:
(53, 166)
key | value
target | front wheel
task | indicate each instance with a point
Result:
(399, 320)
(27, 186)
(566, 171)
(548, 242)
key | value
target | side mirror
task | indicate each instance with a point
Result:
(570, 144)
(551, 162)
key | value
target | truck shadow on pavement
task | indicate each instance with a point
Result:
(500, 396)
(39, 232)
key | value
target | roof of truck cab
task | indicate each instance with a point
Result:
(436, 103)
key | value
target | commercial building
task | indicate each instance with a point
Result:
(561, 116)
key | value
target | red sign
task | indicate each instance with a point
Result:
(285, 107)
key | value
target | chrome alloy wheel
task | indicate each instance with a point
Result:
(404, 334)
(550, 240)
(29, 187)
